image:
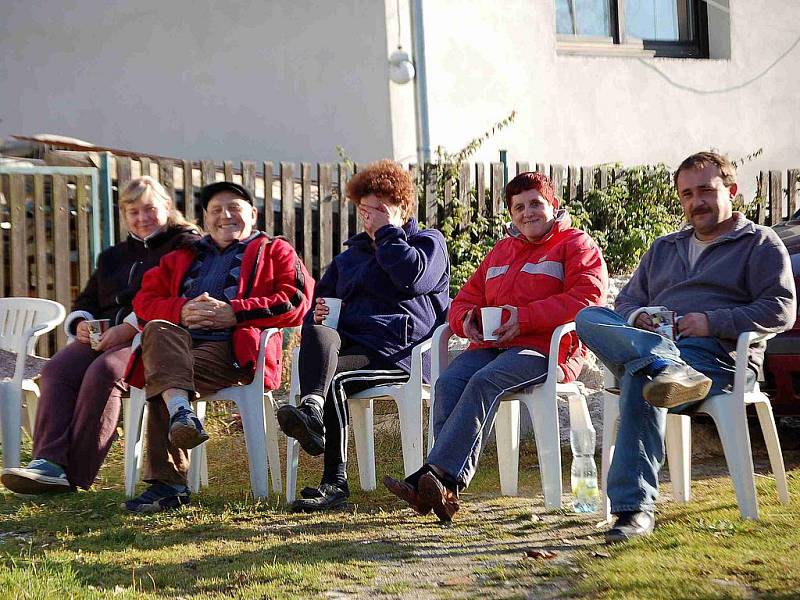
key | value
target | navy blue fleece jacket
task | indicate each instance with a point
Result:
(394, 292)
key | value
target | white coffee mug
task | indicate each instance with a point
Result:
(491, 318)
(334, 308)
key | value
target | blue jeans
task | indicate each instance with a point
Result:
(627, 352)
(466, 398)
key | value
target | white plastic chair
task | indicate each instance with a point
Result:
(256, 407)
(729, 412)
(408, 397)
(22, 320)
(542, 404)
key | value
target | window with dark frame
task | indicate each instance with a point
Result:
(674, 28)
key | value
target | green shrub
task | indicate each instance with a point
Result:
(469, 237)
(639, 205)
(469, 234)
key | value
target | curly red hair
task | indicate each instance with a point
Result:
(387, 180)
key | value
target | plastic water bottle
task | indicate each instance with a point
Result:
(585, 494)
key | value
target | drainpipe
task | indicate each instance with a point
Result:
(420, 84)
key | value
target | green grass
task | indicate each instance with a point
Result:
(704, 550)
(227, 545)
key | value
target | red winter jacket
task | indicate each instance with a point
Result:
(548, 281)
(275, 290)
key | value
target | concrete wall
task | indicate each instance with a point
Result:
(243, 79)
(591, 109)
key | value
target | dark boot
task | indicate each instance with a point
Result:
(407, 493)
(303, 423)
(433, 493)
(331, 497)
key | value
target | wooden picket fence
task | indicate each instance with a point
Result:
(52, 225)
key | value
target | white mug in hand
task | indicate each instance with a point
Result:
(491, 318)
(334, 307)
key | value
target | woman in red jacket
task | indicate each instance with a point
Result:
(541, 274)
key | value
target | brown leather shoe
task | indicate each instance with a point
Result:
(406, 492)
(443, 502)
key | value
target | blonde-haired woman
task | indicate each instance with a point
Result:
(80, 387)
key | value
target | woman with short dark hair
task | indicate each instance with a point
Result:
(541, 275)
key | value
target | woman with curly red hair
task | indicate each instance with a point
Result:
(393, 283)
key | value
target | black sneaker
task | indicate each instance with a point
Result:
(158, 497)
(331, 497)
(185, 429)
(675, 385)
(303, 423)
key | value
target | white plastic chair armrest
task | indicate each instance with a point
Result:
(415, 378)
(743, 343)
(555, 341)
(439, 342)
(26, 342)
(262, 348)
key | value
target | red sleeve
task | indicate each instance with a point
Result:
(585, 283)
(471, 295)
(282, 292)
(155, 299)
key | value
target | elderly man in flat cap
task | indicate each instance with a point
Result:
(203, 309)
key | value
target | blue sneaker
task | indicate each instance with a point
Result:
(185, 429)
(39, 477)
(158, 497)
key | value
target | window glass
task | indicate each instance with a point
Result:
(583, 17)
(659, 20)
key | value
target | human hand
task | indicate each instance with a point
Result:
(82, 333)
(510, 329)
(116, 336)
(471, 329)
(222, 316)
(376, 216)
(644, 321)
(205, 312)
(321, 311)
(195, 314)
(694, 324)
(373, 217)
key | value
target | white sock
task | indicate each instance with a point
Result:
(175, 400)
(314, 399)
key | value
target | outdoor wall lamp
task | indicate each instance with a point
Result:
(401, 69)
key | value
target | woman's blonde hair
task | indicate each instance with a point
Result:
(136, 188)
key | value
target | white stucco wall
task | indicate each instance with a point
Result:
(589, 109)
(242, 79)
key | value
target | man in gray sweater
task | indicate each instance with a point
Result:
(721, 275)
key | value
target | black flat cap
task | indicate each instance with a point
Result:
(212, 189)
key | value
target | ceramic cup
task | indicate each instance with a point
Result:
(491, 318)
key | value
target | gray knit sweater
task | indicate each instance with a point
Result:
(742, 282)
